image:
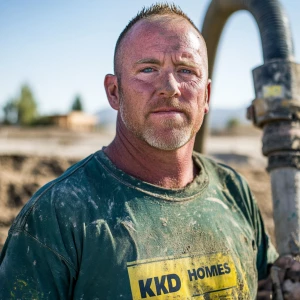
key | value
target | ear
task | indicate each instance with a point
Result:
(112, 91)
(207, 96)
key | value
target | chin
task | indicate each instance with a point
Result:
(171, 142)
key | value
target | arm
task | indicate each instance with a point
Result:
(266, 253)
(287, 268)
(31, 270)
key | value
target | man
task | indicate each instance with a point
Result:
(144, 217)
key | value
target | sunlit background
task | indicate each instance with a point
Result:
(64, 48)
(59, 51)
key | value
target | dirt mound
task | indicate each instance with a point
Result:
(22, 175)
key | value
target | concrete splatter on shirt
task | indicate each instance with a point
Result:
(98, 233)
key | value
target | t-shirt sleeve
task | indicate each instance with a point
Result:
(266, 253)
(31, 270)
(36, 261)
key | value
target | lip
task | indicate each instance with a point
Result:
(167, 110)
(164, 114)
(169, 113)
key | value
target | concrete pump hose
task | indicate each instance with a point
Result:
(274, 31)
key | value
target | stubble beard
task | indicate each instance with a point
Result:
(179, 133)
(177, 138)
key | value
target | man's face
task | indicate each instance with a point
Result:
(163, 84)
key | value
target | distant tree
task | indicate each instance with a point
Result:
(233, 123)
(77, 104)
(27, 106)
(10, 110)
(21, 110)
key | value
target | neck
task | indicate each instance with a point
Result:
(169, 169)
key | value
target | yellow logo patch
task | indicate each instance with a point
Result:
(270, 91)
(184, 278)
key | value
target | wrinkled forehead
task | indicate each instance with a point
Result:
(175, 30)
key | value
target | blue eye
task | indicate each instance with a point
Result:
(147, 70)
(186, 71)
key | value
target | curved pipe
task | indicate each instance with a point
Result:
(274, 31)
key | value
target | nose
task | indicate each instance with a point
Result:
(168, 86)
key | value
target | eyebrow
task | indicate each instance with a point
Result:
(148, 61)
(187, 64)
(157, 62)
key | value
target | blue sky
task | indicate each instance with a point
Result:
(64, 48)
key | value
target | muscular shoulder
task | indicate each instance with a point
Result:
(220, 172)
(64, 197)
(231, 185)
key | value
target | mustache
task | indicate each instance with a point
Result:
(172, 103)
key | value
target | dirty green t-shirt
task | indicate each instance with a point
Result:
(98, 233)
